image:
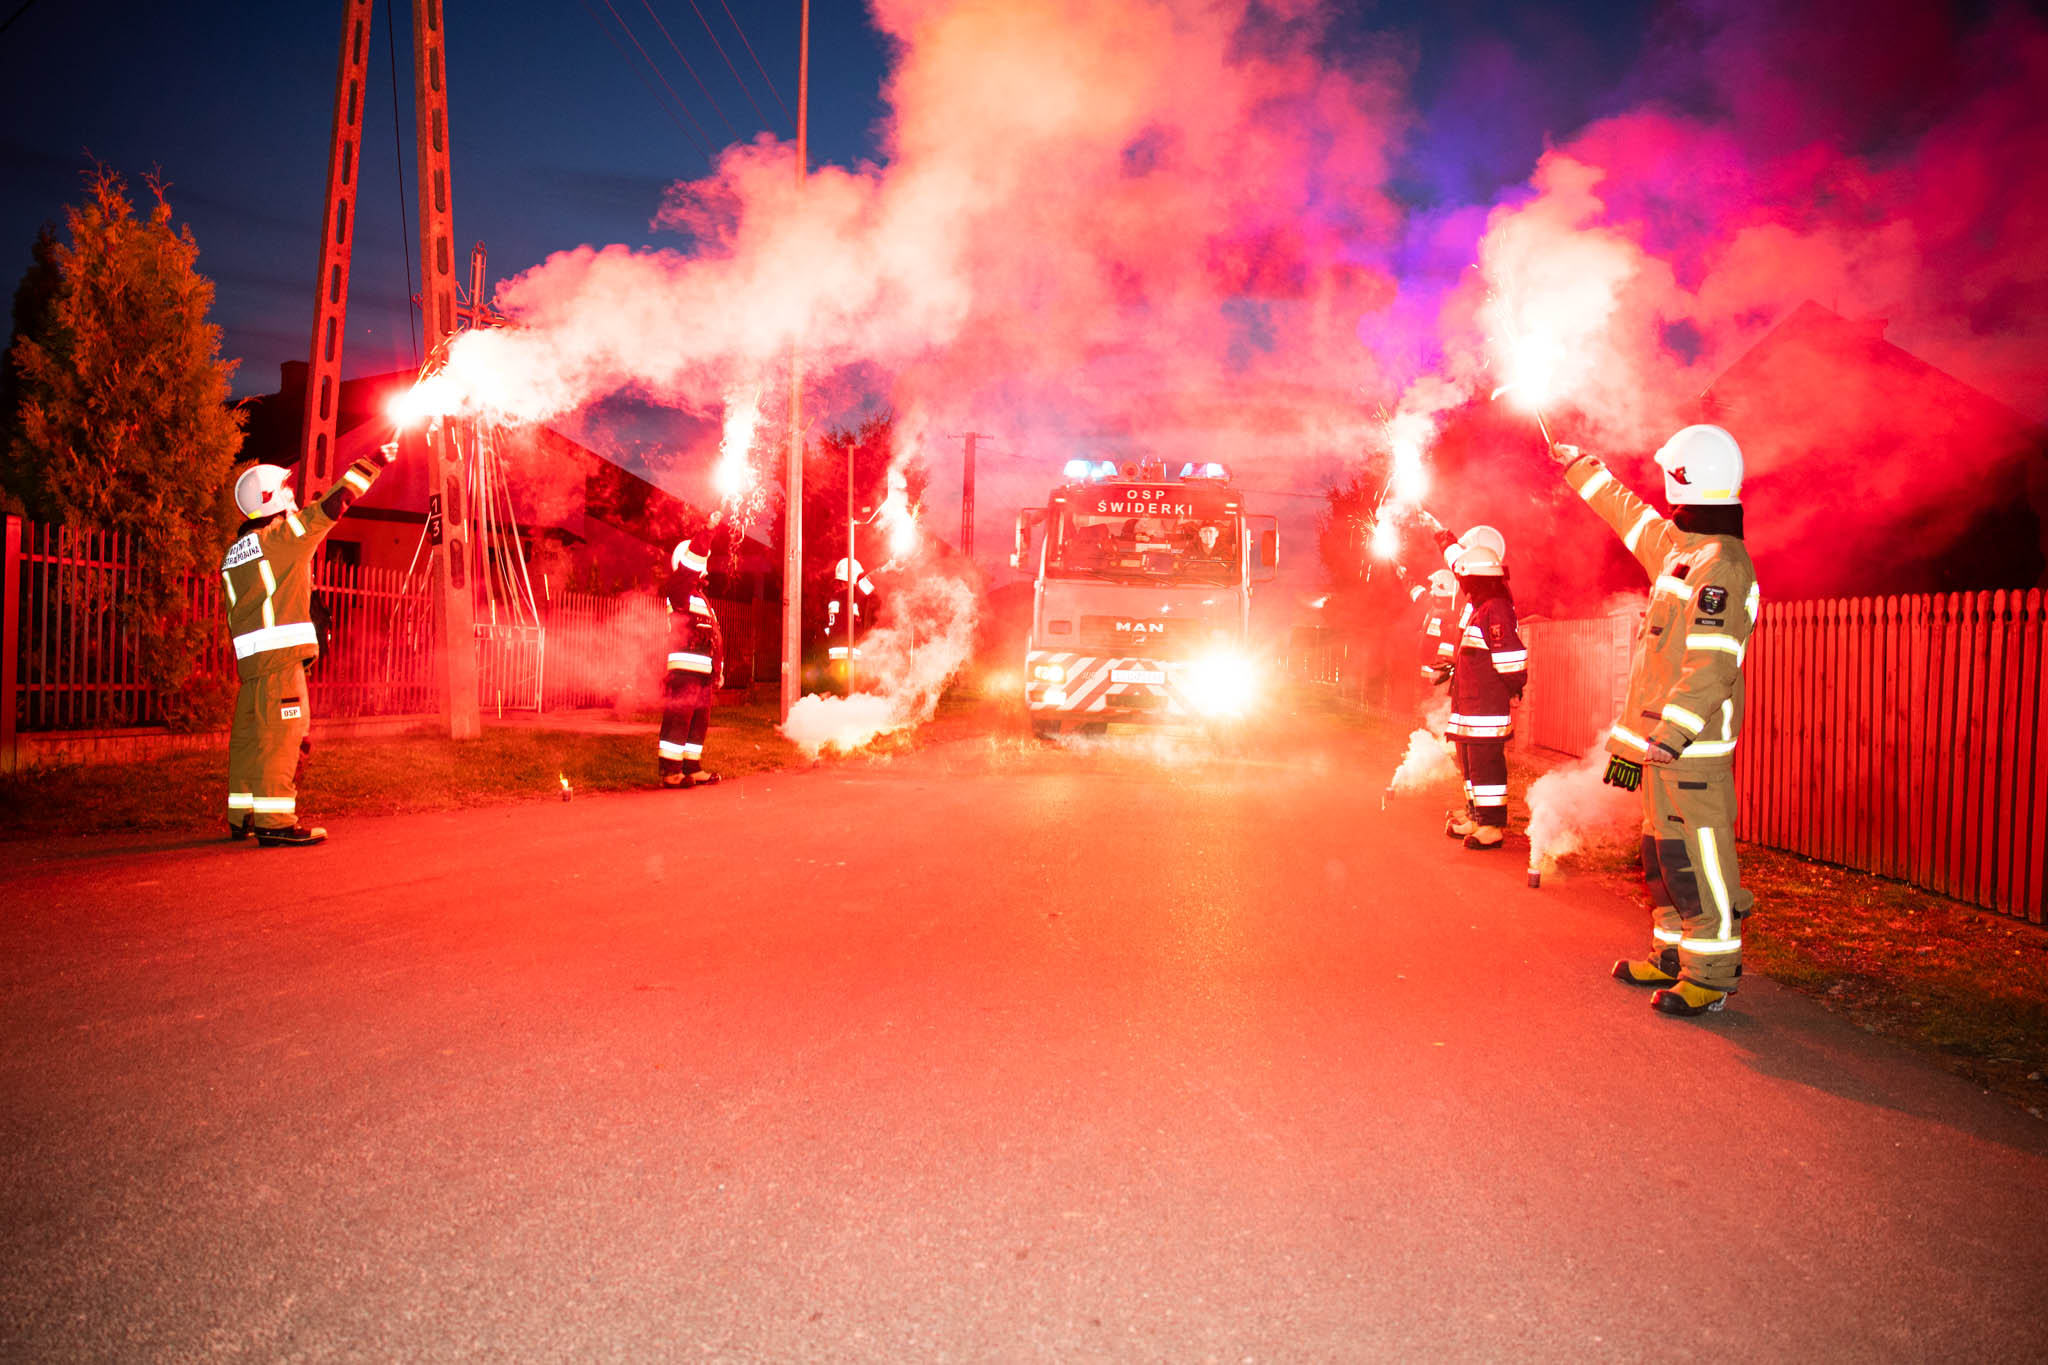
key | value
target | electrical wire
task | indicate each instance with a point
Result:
(646, 5)
(655, 67)
(694, 140)
(26, 6)
(766, 122)
(757, 62)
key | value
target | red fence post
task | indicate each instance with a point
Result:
(10, 645)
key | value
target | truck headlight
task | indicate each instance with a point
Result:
(1049, 673)
(1220, 684)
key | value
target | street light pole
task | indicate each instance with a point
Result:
(852, 568)
(793, 484)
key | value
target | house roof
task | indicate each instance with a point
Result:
(556, 483)
(1872, 471)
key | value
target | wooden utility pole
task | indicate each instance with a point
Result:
(967, 492)
(793, 483)
(446, 490)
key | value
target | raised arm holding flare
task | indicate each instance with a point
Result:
(1675, 739)
(267, 580)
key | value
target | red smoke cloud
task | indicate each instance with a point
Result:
(1163, 227)
(1122, 227)
(1665, 246)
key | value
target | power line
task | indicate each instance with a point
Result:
(26, 6)
(757, 62)
(695, 141)
(653, 66)
(412, 335)
(766, 122)
(691, 69)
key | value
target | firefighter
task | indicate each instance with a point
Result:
(1491, 669)
(696, 666)
(1441, 588)
(1452, 547)
(852, 600)
(267, 581)
(1675, 739)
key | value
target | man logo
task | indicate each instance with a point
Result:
(1142, 627)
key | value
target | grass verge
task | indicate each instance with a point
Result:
(387, 775)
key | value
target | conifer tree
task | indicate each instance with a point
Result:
(120, 418)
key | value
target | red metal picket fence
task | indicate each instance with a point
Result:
(69, 661)
(1902, 735)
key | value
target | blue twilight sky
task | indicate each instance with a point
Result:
(570, 117)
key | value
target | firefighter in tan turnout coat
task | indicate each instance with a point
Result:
(1675, 738)
(267, 582)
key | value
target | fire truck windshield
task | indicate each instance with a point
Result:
(1195, 549)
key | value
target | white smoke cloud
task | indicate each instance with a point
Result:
(1569, 805)
(906, 662)
(1430, 759)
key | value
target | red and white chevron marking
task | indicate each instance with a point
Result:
(1093, 687)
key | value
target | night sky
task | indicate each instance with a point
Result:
(1242, 231)
(556, 137)
(564, 135)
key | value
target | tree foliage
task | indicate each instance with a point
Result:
(868, 449)
(118, 416)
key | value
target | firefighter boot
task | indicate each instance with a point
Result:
(239, 829)
(1687, 999)
(1458, 824)
(1486, 837)
(291, 836)
(702, 778)
(1661, 970)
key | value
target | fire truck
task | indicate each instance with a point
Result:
(1141, 609)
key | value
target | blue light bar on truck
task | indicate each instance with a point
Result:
(1211, 470)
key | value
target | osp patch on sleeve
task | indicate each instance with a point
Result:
(1496, 634)
(1713, 600)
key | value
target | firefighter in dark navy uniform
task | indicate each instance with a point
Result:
(850, 611)
(1491, 669)
(1675, 739)
(267, 581)
(696, 664)
(1457, 617)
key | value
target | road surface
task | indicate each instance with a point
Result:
(993, 1052)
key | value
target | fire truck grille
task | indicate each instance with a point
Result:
(1132, 636)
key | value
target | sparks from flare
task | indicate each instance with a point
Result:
(898, 518)
(1531, 359)
(1407, 481)
(734, 476)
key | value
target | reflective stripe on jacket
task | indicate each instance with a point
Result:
(267, 578)
(1685, 686)
(1492, 668)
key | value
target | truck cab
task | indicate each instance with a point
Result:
(1141, 609)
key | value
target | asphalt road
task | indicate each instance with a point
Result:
(991, 1053)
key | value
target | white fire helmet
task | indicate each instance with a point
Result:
(1478, 535)
(1479, 561)
(1702, 465)
(264, 490)
(1443, 583)
(1490, 538)
(684, 556)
